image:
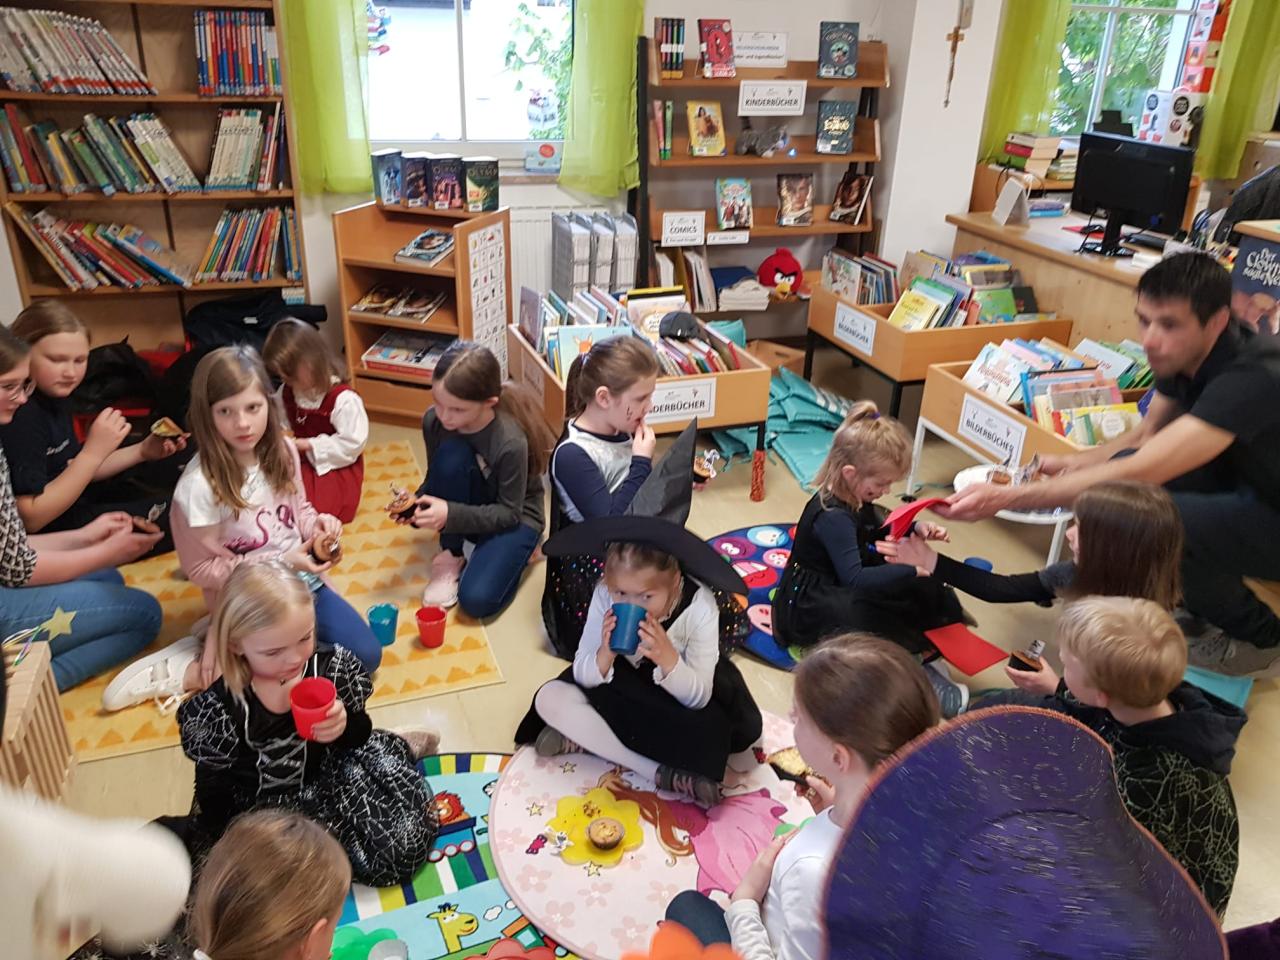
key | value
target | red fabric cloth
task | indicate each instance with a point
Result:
(338, 491)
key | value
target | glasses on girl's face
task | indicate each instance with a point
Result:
(18, 391)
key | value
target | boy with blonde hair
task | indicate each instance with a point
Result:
(1123, 661)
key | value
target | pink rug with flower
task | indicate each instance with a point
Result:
(602, 903)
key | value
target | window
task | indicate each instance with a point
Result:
(493, 72)
(1114, 53)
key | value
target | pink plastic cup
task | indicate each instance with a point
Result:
(311, 700)
(431, 626)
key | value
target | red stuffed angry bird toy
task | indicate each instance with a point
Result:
(782, 273)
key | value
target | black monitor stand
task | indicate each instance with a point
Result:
(1109, 245)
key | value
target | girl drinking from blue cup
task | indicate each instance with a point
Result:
(648, 688)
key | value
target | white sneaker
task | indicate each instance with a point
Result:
(446, 571)
(157, 676)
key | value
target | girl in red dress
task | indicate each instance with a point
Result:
(327, 417)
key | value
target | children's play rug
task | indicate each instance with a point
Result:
(455, 906)
(759, 554)
(382, 563)
(602, 903)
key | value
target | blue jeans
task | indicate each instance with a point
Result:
(338, 624)
(109, 623)
(493, 574)
(701, 916)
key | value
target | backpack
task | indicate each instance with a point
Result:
(114, 373)
(229, 321)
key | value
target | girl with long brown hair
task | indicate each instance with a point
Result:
(240, 500)
(487, 449)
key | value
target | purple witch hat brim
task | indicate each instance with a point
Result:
(1003, 835)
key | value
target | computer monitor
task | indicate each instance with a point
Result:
(1137, 183)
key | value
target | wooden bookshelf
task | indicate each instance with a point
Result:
(873, 71)
(452, 213)
(478, 294)
(766, 223)
(159, 36)
(866, 148)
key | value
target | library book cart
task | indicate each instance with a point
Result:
(159, 37)
(475, 278)
(903, 357)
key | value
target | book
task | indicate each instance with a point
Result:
(414, 174)
(482, 183)
(835, 126)
(852, 198)
(237, 53)
(445, 182)
(837, 49)
(406, 352)
(996, 373)
(706, 128)
(668, 37)
(1255, 284)
(426, 249)
(715, 40)
(379, 298)
(733, 203)
(915, 310)
(995, 305)
(417, 304)
(795, 199)
(386, 177)
(529, 316)
(50, 51)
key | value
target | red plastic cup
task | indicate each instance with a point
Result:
(311, 700)
(431, 626)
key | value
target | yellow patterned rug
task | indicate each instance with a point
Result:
(382, 563)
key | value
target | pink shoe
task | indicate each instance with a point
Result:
(446, 571)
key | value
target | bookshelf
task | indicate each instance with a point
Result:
(159, 37)
(666, 184)
(475, 278)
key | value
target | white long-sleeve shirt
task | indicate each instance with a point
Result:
(332, 451)
(787, 925)
(695, 635)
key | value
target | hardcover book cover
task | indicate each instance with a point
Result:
(445, 183)
(386, 177)
(851, 199)
(715, 38)
(706, 128)
(414, 172)
(733, 203)
(838, 49)
(482, 183)
(835, 126)
(1255, 284)
(795, 199)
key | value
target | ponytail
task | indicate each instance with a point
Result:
(519, 402)
(616, 364)
(865, 440)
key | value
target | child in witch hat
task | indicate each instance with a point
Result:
(674, 710)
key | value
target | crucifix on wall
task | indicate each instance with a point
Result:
(964, 20)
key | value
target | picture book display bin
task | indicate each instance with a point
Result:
(475, 278)
(159, 37)
(36, 753)
(903, 357)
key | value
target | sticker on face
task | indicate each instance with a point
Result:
(756, 575)
(761, 617)
(777, 557)
(732, 547)
(768, 536)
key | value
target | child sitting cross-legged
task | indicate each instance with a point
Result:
(1123, 661)
(672, 708)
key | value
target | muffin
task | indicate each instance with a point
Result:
(164, 427)
(143, 525)
(605, 833)
(403, 503)
(327, 549)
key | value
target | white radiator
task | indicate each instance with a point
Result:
(531, 243)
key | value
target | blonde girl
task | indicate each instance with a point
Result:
(362, 784)
(858, 700)
(240, 501)
(327, 418)
(604, 455)
(250, 904)
(52, 471)
(834, 581)
(487, 449)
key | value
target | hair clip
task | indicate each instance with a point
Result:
(875, 414)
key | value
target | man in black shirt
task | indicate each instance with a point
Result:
(1212, 437)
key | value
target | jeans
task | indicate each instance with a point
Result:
(105, 623)
(701, 916)
(493, 573)
(339, 625)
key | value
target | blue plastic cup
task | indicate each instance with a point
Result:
(982, 563)
(382, 620)
(626, 632)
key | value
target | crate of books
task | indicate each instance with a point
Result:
(943, 315)
(704, 375)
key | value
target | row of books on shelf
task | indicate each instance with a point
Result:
(50, 51)
(735, 209)
(837, 48)
(836, 124)
(237, 53)
(85, 255)
(399, 301)
(407, 353)
(137, 154)
(1042, 155)
(593, 250)
(435, 181)
(973, 288)
(426, 249)
(862, 279)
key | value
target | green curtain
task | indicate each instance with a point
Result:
(326, 43)
(1028, 58)
(1243, 100)
(600, 153)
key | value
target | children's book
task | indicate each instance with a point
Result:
(795, 199)
(1255, 285)
(446, 187)
(418, 304)
(838, 49)
(852, 198)
(995, 306)
(482, 183)
(835, 126)
(402, 351)
(378, 299)
(706, 128)
(733, 203)
(386, 177)
(413, 177)
(426, 249)
(842, 274)
(915, 310)
(715, 38)
(996, 373)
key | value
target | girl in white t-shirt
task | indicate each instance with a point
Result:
(240, 500)
(858, 700)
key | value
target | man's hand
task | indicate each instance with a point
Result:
(977, 502)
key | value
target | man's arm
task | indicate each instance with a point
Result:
(1160, 413)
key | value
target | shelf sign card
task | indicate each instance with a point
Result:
(722, 237)
(683, 228)
(855, 328)
(683, 400)
(991, 430)
(771, 98)
(759, 48)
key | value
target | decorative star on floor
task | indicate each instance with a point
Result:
(59, 624)
(535, 809)
(593, 869)
(568, 767)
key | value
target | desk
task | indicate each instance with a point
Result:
(1097, 293)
